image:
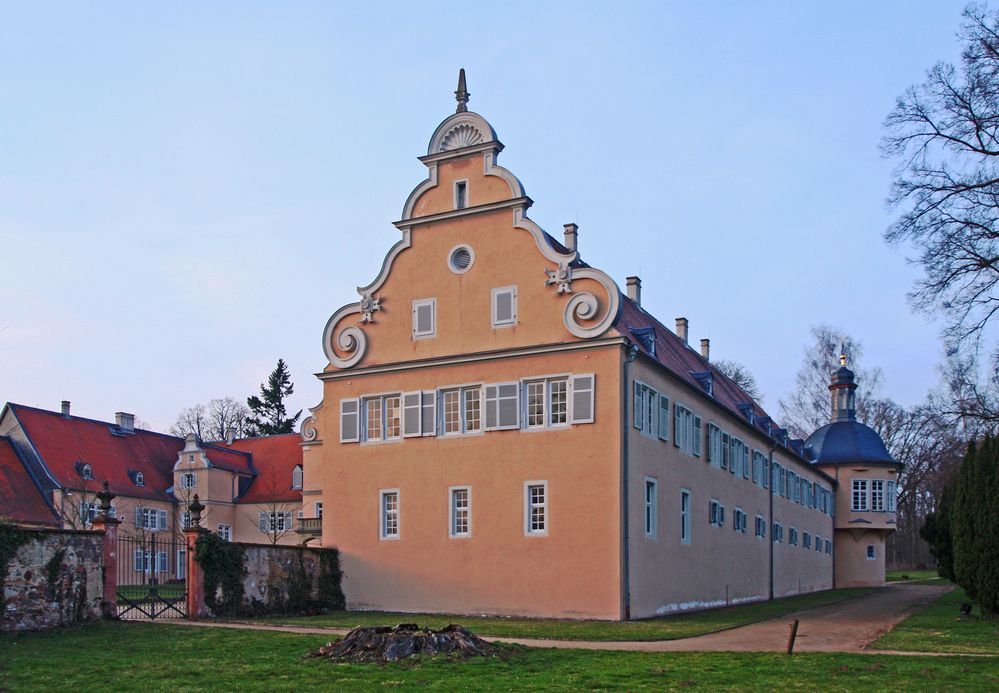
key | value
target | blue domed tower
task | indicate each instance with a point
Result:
(867, 483)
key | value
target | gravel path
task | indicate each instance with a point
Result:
(848, 626)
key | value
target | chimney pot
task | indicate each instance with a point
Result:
(634, 285)
(125, 421)
(681, 328)
(571, 234)
(706, 349)
(65, 407)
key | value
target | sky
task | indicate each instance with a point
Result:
(189, 190)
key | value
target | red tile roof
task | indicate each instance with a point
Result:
(274, 458)
(62, 441)
(20, 499)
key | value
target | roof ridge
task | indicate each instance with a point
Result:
(89, 420)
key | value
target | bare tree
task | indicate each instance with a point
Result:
(274, 518)
(741, 376)
(78, 506)
(945, 135)
(808, 406)
(214, 420)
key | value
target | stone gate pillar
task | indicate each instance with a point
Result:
(109, 570)
(195, 575)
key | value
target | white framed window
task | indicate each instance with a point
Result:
(504, 306)
(739, 520)
(419, 414)
(778, 532)
(891, 496)
(684, 516)
(87, 471)
(536, 508)
(393, 416)
(582, 388)
(425, 318)
(382, 417)
(461, 194)
(460, 520)
(806, 540)
(716, 513)
(270, 522)
(150, 518)
(818, 543)
(546, 402)
(872, 553)
(349, 418)
(181, 568)
(225, 532)
(185, 519)
(714, 445)
(663, 417)
(388, 501)
(646, 409)
(318, 511)
(858, 495)
(502, 406)
(761, 526)
(296, 477)
(726, 450)
(188, 480)
(650, 507)
(877, 495)
(461, 410)
(829, 546)
(686, 430)
(140, 480)
(792, 537)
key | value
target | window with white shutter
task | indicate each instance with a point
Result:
(696, 447)
(504, 306)
(428, 418)
(262, 522)
(412, 414)
(502, 406)
(664, 418)
(582, 398)
(638, 418)
(349, 420)
(424, 318)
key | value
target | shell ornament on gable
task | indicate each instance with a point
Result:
(461, 135)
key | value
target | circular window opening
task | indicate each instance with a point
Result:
(460, 259)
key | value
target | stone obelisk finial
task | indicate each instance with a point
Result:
(461, 95)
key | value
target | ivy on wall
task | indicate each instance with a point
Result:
(12, 538)
(224, 565)
(329, 589)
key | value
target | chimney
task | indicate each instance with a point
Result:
(571, 231)
(125, 422)
(230, 435)
(706, 349)
(634, 285)
(681, 328)
(65, 407)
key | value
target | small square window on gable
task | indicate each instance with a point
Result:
(425, 318)
(504, 308)
(460, 194)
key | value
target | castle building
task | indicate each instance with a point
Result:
(504, 431)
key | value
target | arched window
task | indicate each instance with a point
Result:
(296, 478)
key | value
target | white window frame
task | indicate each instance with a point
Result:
(453, 510)
(651, 512)
(546, 401)
(859, 498)
(761, 527)
(185, 519)
(493, 295)
(877, 495)
(297, 477)
(716, 513)
(383, 514)
(225, 532)
(529, 506)
(180, 568)
(318, 510)
(188, 479)
(464, 183)
(345, 414)
(891, 496)
(463, 393)
(685, 525)
(417, 304)
(140, 479)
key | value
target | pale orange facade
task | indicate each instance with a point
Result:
(480, 446)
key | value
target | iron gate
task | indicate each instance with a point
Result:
(152, 576)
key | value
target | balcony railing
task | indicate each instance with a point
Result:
(310, 525)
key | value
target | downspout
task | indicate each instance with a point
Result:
(631, 351)
(770, 520)
(834, 532)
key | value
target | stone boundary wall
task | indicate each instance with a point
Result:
(271, 571)
(54, 579)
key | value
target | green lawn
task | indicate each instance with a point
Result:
(940, 628)
(153, 657)
(913, 576)
(666, 628)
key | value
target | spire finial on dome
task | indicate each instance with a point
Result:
(842, 354)
(461, 94)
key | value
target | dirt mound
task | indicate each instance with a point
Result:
(387, 644)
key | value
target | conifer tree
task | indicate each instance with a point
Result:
(936, 531)
(963, 520)
(268, 414)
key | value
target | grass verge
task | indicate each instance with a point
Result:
(665, 628)
(927, 576)
(152, 657)
(940, 628)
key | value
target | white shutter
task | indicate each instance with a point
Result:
(162, 519)
(423, 318)
(137, 560)
(504, 307)
(162, 561)
(651, 415)
(677, 424)
(411, 413)
(639, 401)
(582, 398)
(664, 418)
(492, 407)
(429, 413)
(696, 447)
(508, 405)
(349, 421)
(288, 522)
(262, 522)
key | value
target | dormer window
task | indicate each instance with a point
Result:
(139, 479)
(296, 478)
(87, 472)
(460, 194)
